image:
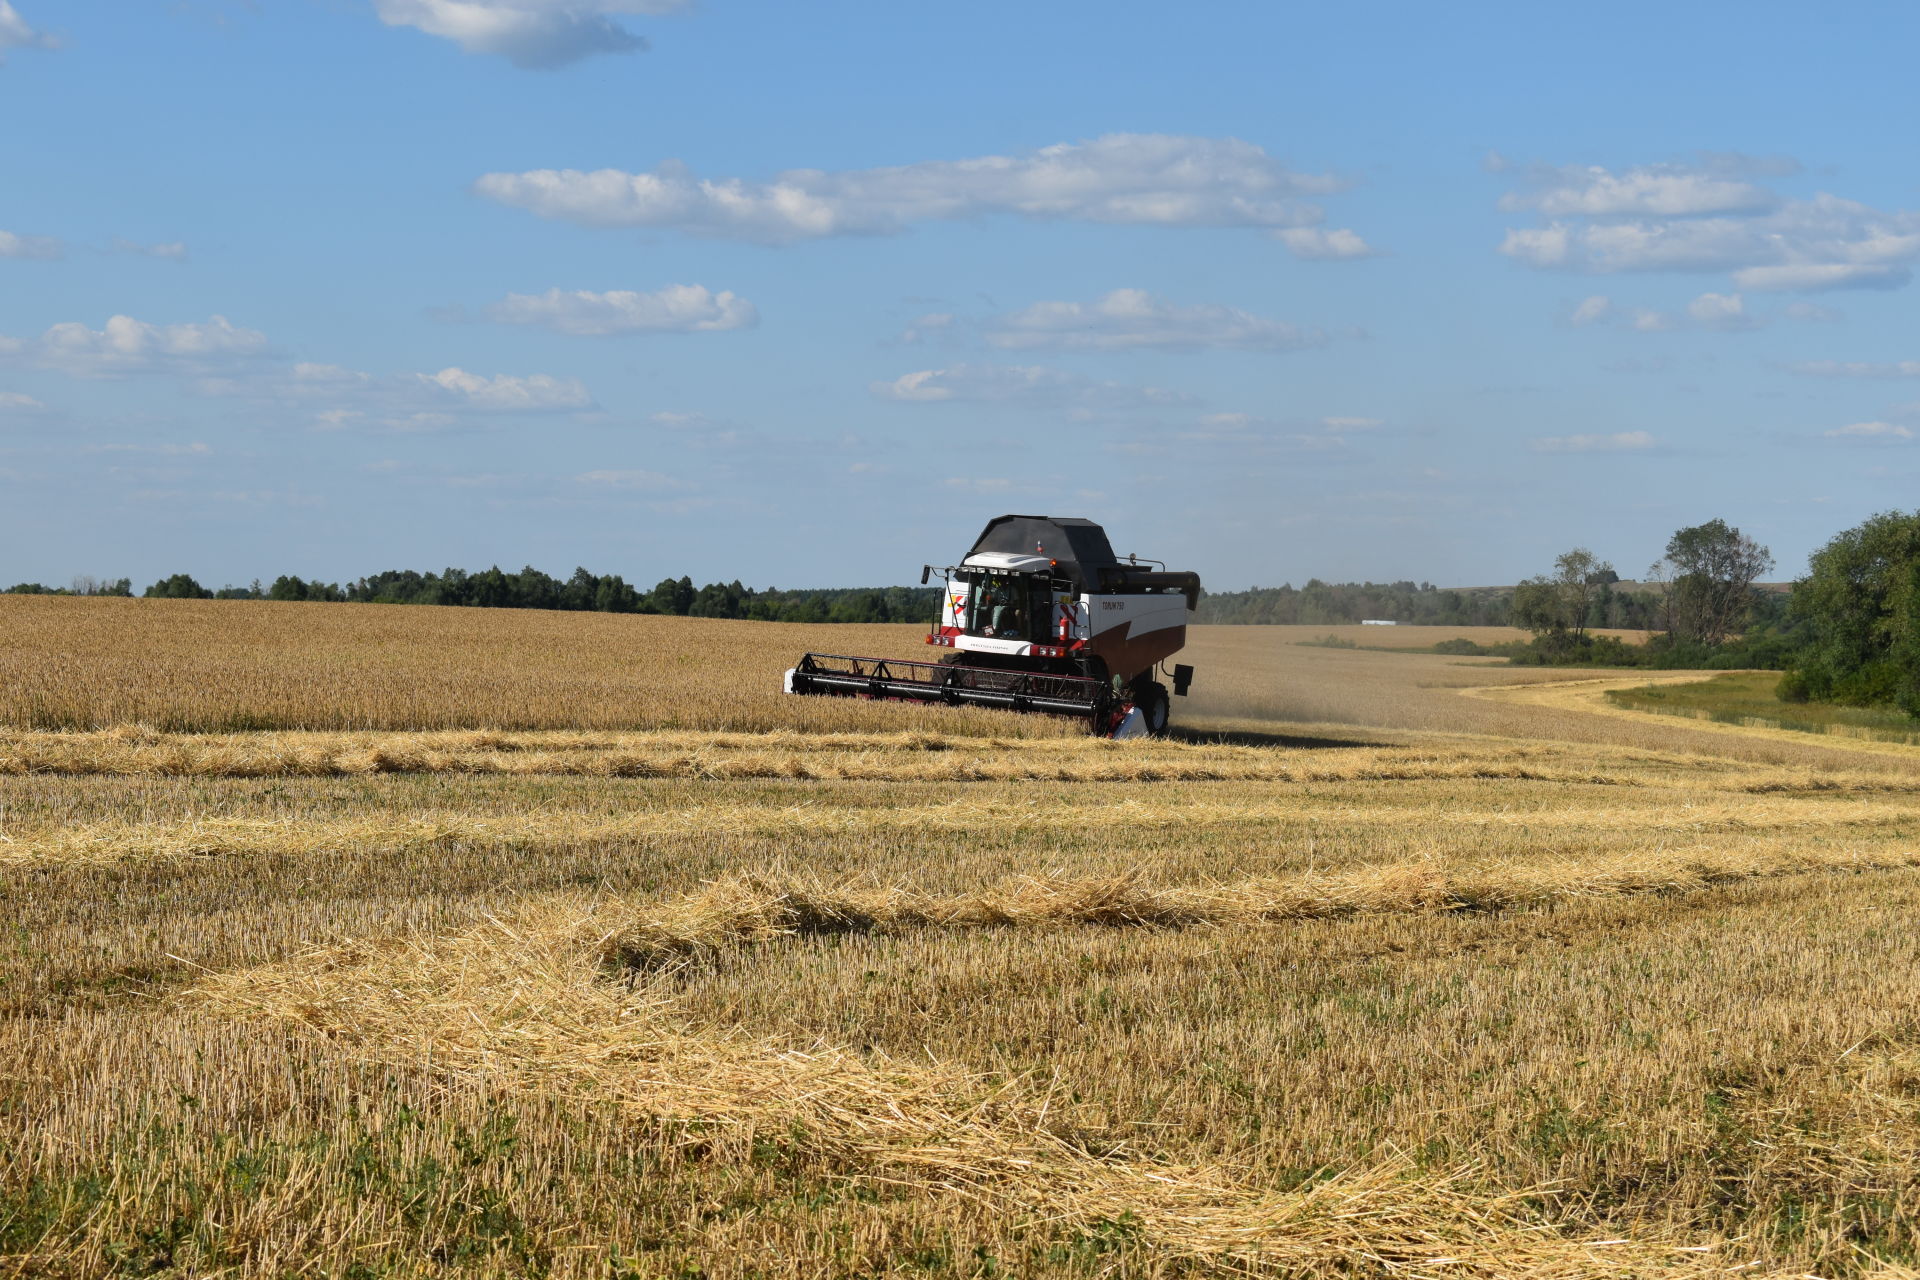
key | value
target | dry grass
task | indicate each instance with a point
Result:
(515, 1003)
(750, 910)
(1414, 637)
(899, 757)
(218, 666)
(487, 953)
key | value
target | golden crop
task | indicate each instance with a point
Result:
(389, 941)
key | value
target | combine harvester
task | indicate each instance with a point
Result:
(1042, 616)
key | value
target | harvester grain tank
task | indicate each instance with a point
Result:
(1039, 616)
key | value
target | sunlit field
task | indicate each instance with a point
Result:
(385, 941)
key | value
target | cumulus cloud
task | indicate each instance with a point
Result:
(1619, 442)
(1726, 312)
(1128, 319)
(678, 308)
(1878, 432)
(1132, 179)
(1030, 385)
(15, 33)
(537, 392)
(1658, 190)
(1716, 312)
(45, 248)
(531, 34)
(1709, 218)
(125, 345)
(1325, 244)
(333, 397)
(1859, 368)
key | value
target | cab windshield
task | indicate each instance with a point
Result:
(1000, 607)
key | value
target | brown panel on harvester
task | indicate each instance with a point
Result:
(1127, 655)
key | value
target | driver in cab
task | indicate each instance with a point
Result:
(1000, 607)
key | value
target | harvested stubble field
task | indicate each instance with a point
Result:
(355, 941)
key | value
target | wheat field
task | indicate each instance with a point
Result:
(367, 941)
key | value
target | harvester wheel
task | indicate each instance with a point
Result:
(1151, 697)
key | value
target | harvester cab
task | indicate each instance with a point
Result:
(1039, 616)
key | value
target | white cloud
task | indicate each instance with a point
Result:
(1726, 312)
(1718, 312)
(1351, 424)
(1325, 244)
(1812, 277)
(173, 250)
(16, 34)
(1032, 385)
(332, 397)
(1877, 431)
(13, 245)
(125, 345)
(1859, 369)
(1710, 218)
(1133, 179)
(932, 324)
(678, 308)
(19, 402)
(1133, 318)
(1591, 310)
(1659, 190)
(1619, 442)
(503, 393)
(532, 34)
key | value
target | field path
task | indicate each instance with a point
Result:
(1590, 696)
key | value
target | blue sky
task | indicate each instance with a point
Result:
(804, 293)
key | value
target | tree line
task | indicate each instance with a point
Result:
(1847, 633)
(530, 588)
(1699, 599)
(1419, 604)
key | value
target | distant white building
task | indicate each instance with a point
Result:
(1378, 622)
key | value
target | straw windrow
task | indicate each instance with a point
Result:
(747, 910)
(521, 1004)
(525, 1004)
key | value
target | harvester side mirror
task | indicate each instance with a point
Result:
(1182, 678)
(926, 571)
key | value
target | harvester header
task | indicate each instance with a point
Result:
(1040, 615)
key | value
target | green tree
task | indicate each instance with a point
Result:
(1707, 578)
(1558, 603)
(1537, 606)
(673, 596)
(179, 586)
(611, 594)
(1860, 607)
